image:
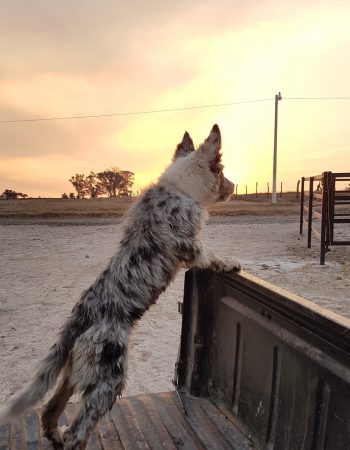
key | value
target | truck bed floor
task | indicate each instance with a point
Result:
(149, 422)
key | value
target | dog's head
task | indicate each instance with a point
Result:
(199, 173)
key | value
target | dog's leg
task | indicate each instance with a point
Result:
(100, 392)
(205, 258)
(96, 403)
(54, 408)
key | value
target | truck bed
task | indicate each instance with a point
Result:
(258, 368)
(157, 421)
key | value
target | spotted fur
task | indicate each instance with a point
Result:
(161, 234)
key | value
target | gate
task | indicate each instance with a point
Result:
(326, 198)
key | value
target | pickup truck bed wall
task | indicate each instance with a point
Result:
(276, 364)
(258, 368)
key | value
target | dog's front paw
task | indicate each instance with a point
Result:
(231, 265)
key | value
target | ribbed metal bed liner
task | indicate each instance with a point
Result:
(148, 422)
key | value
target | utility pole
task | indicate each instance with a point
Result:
(278, 97)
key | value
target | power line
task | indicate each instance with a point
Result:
(133, 113)
(157, 111)
(316, 98)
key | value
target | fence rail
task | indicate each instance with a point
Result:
(327, 198)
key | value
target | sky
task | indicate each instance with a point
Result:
(92, 57)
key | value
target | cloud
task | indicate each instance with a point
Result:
(75, 37)
(33, 139)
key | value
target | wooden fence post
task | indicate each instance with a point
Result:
(309, 224)
(298, 184)
(324, 216)
(302, 205)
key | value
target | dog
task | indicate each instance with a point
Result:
(161, 235)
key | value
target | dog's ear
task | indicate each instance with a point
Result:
(211, 149)
(185, 147)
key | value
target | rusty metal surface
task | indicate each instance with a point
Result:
(278, 363)
(147, 422)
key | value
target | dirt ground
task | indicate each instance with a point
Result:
(45, 264)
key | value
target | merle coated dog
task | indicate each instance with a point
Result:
(161, 234)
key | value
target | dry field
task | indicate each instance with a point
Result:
(55, 207)
(116, 207)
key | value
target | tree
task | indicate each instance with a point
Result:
(71, 195)
(127, 183)
(10, 194)
(93, 186)
(110, 180)
(64, 195)
(79, 183)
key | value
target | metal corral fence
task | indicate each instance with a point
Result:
(321, 206)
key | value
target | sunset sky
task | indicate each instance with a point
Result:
(89, 57)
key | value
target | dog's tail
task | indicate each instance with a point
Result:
(46, 376)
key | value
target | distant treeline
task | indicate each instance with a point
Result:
(9, 194)
(111, 182)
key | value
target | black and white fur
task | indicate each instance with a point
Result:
(160, 236)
